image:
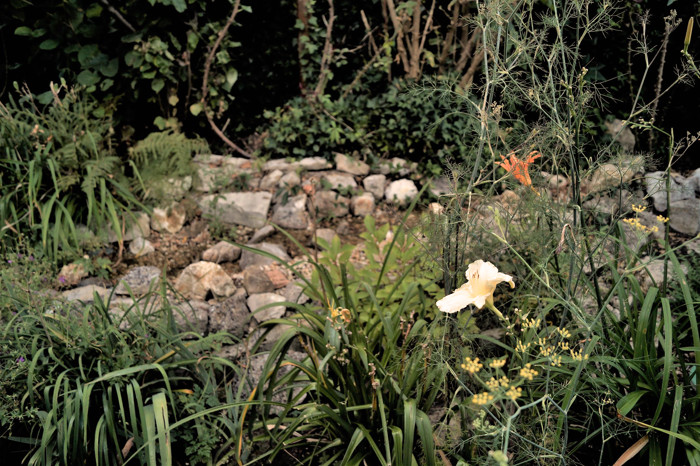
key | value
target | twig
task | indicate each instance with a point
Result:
(469, 75)
(398, 33)
(205, 82)
(447, 42)
(119, 16)
(415, 42)
(327, 52)
(428, 25)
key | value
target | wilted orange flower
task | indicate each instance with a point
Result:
(518, 168)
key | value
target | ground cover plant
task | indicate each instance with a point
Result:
(516, 324)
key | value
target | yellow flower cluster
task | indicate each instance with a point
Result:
(482, 398)
(640, 226)
(497, 363)
(531, 323)
(639, 208)
(662, 219)
(472, 365)
(528, 373)
(578, 355)
(514, 393)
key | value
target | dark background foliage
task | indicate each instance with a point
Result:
(144, 61)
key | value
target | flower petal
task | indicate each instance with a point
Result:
(456, 301)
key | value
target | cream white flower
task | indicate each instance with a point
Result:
(482, 279)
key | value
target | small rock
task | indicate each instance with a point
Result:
(396, 165)
(170, 219)
(198, 279)
(222, 251)
(294, 293)
(255, 280)
(350, 165)
(289, 180)
(339, 180)
(328, 204)
(140, 247)
(684, 216)
(622, 134)
(73, 273)
(85, 294)
(654, 273)
(292, 214)
(245, 208)
(249, 258)
(172, 188)
(277, 164)
(680, 189)
(612, 175)
(270, 180)
(694, 180)
(435, 208)
(362, 205)
(261, 234)
(257, 301)
(139, 281)
(138, 226)
(326, 234)
(375, 184)
(313, 164)
(441, 186)
(231, 315)
(401, 192)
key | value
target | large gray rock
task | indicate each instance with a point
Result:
(350, 165)
(249, 258)
(171, 188)
(170, 219)
(257, 301)
(684, 216)
(246, 208)
(339, 180)
(329, 204)
(139, 281)
(200, 278)
(222, 251)
(375, 184)
(401, 192)
(291, 214)
(680, 189)
(231, 315)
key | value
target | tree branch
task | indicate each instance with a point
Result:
(205, 82)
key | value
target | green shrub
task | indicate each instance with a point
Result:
(58, 169)
(400, 121)
(82, 384)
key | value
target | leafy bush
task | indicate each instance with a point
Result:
(83, 384)
(397, 122)
(364, 387)
(59, 169)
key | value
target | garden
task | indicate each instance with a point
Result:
(376, 232)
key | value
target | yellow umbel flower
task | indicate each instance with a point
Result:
(514, 393)
(482, 398)
(472, 365)
(497, 363)
(528, 373)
